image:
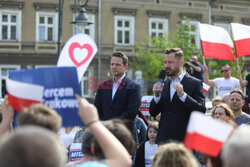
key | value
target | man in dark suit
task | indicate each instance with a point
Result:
(176, 98)
(119, 97)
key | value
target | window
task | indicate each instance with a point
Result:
(194, 33)
(158, 27)
(44, 66)
(226, 26)
(124, 30)
(10, 22)
(86, 92)
(90, 29)
(4, 71)
(46, 26)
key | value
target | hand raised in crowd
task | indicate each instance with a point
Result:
(115, 152)
(6, 110)
(239, 72)
(157, 88)
(179, 89)
(205, 69)
(7, 115)
(87, 111)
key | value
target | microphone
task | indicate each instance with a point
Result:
(161, 78)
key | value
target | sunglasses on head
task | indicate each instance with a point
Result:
(226, 70)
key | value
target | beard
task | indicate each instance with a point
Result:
(173, 72)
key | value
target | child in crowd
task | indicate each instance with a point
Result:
(175, 155)
(147, 149)
(67, 135)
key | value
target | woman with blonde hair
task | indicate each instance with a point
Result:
(174, 155)
(221, 111)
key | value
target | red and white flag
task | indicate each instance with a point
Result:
(205, 87)
(241, 35)
(216, 42)
(205, 134)
(21, 95)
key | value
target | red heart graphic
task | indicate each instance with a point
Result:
(77, 45)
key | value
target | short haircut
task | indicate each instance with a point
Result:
(226, 65)
(173, 154)
(236, 150)
(177, 51)
(122, 56)
(41, 115)
(227, 109)
(239, 92)
(154, 125)
(87, 140)
(31, 146)
(118, 129)
(217, 99)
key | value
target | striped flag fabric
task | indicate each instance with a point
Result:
(205, 134)
(216, 42)
(205, 87)
(22, 95)
(241, 36)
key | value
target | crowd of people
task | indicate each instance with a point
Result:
(114, 135)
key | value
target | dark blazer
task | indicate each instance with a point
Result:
(175, 114)
(140, 156)
(125, 104)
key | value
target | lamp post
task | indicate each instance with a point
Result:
(211, 2)
(99, 39)
(80, 20)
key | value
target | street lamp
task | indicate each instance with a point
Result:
(211, 2)
(81, 20)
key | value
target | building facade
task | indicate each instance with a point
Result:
(29, 28)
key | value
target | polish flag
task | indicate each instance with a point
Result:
(241, 35)
(205, 87)
(216, 42)
(205, 134)
(21, 95)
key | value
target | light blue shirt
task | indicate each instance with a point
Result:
(116, 85)
(93, 164)
(173, 90)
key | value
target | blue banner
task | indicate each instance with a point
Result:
(60, 86)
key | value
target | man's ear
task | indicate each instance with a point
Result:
(181, 62)
(126, 67)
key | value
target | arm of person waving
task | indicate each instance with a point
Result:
(115, 152)
(7, 116)
(206, 78)
(243, 83)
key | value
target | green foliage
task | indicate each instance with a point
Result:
(149, 54)
(215, 65)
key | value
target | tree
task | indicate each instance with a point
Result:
(149, 53)
(215, 66)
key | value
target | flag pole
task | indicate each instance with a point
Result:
(237, 59)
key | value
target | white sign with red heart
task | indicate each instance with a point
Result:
(78, 51)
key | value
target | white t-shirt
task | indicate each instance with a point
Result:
(67, 139)
(150, 150)
(226, 85)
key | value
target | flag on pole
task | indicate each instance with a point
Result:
(241, 35)
(21, 95)
(205, 87)
(205, 134)
(216, 42)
